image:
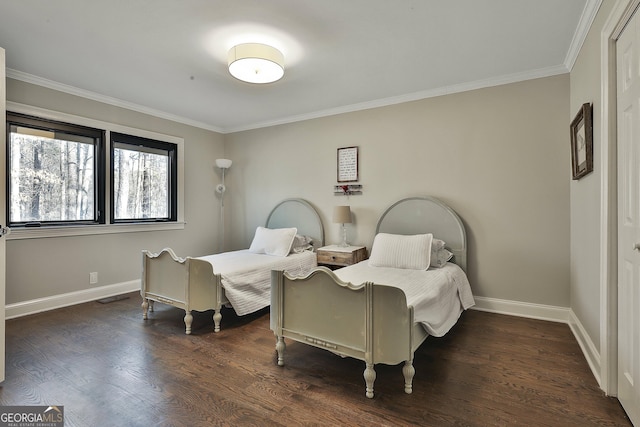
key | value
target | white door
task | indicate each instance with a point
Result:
(3, 210)
(628, 92)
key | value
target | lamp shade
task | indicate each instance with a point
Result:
(256, 63)
(342, 214)
(223, 163)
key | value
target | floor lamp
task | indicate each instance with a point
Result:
(223, 164)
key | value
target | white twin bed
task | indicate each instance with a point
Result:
(382, 309)
(241, 279)
(379, 310)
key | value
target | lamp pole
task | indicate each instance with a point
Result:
(223, 164)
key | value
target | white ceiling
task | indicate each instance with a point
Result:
(168, 57)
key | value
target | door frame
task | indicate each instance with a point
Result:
(618, 18)
(3, 251)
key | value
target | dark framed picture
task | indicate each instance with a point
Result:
(582, 142)
(348, 164)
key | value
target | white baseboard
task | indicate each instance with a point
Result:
(58, 301)
(523, 309)
(493, 305)
(589, 350)
(550, 313)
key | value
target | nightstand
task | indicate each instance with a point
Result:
(335, 256)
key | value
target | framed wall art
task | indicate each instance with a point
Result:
(348, 164)
(582, 142)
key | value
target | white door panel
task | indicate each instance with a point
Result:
(628, 107)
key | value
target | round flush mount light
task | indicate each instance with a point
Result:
(256, 63)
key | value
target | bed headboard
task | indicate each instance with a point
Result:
(300, 214)
(420, 215)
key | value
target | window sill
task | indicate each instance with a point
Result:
(88, 230)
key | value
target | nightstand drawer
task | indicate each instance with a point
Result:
(344, 258)
(340, 257)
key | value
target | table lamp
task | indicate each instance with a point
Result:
(342, 215)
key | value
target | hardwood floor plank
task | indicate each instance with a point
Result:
(109, 367)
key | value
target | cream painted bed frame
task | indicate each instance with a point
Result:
(370, 322)
(191, 284)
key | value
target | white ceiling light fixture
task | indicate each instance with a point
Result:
(256, 63)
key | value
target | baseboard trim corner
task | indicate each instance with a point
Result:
(550, 313)
(587, 346)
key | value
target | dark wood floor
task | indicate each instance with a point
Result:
(108, 367)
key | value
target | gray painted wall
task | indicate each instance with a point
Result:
(499, 156)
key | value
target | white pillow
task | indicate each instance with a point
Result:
(398, 251)
(273, 241)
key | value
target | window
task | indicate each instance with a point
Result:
(71, 176)
(56, 172)
(143, 179)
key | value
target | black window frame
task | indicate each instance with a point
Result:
(99, 164)
(138, 141)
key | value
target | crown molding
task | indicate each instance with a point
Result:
(586, 20)
(415, 96)
(71, 90)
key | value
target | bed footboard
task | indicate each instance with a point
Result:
(369, 322)
(186, 283)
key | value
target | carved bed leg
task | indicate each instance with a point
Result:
(217, 317)
(280, 347)
(145, 308)
(188, 319)
(369, 379)
(408, 371)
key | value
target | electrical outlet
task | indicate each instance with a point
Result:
(93, 278)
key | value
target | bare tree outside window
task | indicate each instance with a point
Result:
(143, 180)
(141, 184)
(52, 176)
(69, 174)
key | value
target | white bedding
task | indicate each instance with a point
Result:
(246, 276)
(438, 296)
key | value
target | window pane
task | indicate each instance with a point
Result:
(140, 183)
(52, 176)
